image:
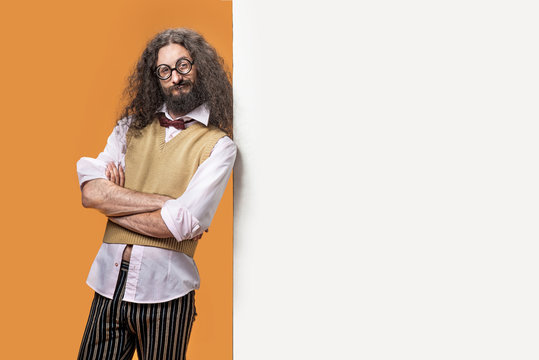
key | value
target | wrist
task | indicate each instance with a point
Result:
(163, 199)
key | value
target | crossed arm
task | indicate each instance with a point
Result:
(136, 211)
(186, 216)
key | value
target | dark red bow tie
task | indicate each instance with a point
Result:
(178, 124)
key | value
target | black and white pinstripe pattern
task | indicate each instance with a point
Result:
(157, 331)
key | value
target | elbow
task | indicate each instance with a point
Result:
(85, 203)
(89, 195)
(86, 199)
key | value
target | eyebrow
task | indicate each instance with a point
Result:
(178, 59)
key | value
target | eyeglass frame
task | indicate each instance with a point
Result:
(191, 63)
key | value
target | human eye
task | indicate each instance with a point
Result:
(183, 64)
(163, 70)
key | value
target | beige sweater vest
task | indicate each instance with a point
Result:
(153, 166)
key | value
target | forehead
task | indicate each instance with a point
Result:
(170, 53)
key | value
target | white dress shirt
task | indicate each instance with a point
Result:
(155, 274)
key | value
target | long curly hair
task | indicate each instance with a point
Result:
(143, 93)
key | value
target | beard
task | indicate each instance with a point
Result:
(181, 103)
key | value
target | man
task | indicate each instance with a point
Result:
(174, 142)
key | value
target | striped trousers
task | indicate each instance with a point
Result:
(116, 328)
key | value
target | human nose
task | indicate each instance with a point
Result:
(175, 76)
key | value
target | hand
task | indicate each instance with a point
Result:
(198, 237)
(115, 174)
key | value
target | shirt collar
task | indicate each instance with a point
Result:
(200, 114)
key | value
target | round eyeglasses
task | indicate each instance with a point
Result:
(183, 67)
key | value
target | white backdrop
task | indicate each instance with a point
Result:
(386, 194)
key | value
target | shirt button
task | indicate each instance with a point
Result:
(115, 264)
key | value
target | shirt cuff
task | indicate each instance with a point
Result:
(90, 169)
(179, 221)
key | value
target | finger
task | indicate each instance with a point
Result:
(115, 174)
(122, 175)
(108, 172)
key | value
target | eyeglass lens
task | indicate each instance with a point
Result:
(183, 66)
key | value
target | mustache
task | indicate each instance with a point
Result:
(183, 82)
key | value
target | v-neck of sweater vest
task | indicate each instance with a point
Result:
(162, 131)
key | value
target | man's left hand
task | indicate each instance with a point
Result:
(115, 174)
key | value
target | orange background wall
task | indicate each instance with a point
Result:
(63, 68)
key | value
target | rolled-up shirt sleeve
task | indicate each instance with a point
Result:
(191, 213)
(89, 168)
